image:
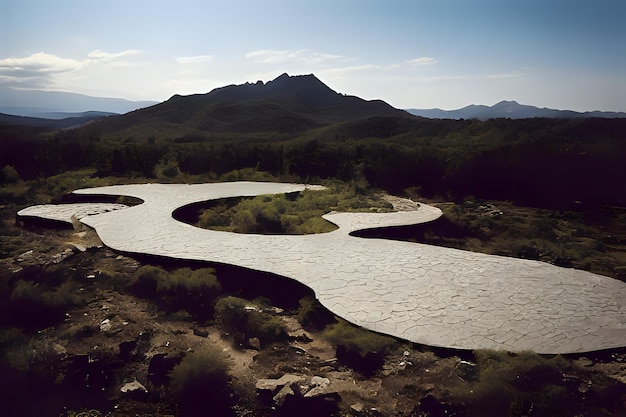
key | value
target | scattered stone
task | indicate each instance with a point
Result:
(254, 343)
(105, 325)
(25, 256)
(77, 246)
(318, 386)
(134, 389)
(274, 384)
(585, 362)
(60, 257)
(59, 349)
(357, 408)
(285, 391)
(467, 371)
(200, 332)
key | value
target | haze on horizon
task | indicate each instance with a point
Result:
(564, 54)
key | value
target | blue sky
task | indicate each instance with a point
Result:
(566, 54)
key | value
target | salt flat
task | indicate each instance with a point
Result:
(422, 293)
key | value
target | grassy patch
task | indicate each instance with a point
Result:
(294, 213)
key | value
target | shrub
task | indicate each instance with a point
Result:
(233, 317)
(194, 291)
(145, 281)
(312, 315)
(200, 383)
(33, 305)
(512, 384)
(360, 349)
(364, 341)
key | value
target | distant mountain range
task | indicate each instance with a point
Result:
(287, 104)
(61, 105)
(69, 121)
(508, 109)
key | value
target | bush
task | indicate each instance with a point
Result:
(242, 324)
(517, 384)
(200, 383)
(312, 315)
(364, 341)
(194, 291)
(32, 305)
(362, 350)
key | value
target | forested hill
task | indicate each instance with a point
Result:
(286, 105)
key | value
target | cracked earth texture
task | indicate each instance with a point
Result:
(425, 294)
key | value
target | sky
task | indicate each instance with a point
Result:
(564, 54)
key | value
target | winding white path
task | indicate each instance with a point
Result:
(426, 294)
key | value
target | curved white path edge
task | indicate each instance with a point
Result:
(426, 294)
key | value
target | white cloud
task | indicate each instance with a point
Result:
(38, 63)
(271, 56)
(93, 71)
(425, 60)
(98, 54)
(194, 59)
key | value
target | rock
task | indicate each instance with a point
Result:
(317, 386)
(254, 343)
(357, 408)
(274, 384)
(274, 391)
(59, 349)
(200, 332)
(25, 256)
(279, 398)
(105, 325)
(77, 246)
(133, 387)
(467, 371)
(134, 390)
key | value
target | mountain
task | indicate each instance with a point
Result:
(37, 103)
(287, 104)
(508, 109)
(78, 119)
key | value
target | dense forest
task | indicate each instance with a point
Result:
(550, 163)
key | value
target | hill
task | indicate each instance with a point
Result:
(43, 104)
(510, 110)
(287, 104)
(55, 122)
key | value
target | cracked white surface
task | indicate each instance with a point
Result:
(426, 294)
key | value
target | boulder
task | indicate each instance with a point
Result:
(200, 332)
(273, 385)
(133, 387)
(276, 390)
(317, 386)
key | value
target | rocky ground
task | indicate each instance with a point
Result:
(112, 354)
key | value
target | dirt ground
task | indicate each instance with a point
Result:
(111, 319)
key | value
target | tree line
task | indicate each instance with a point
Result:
(554, 163)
